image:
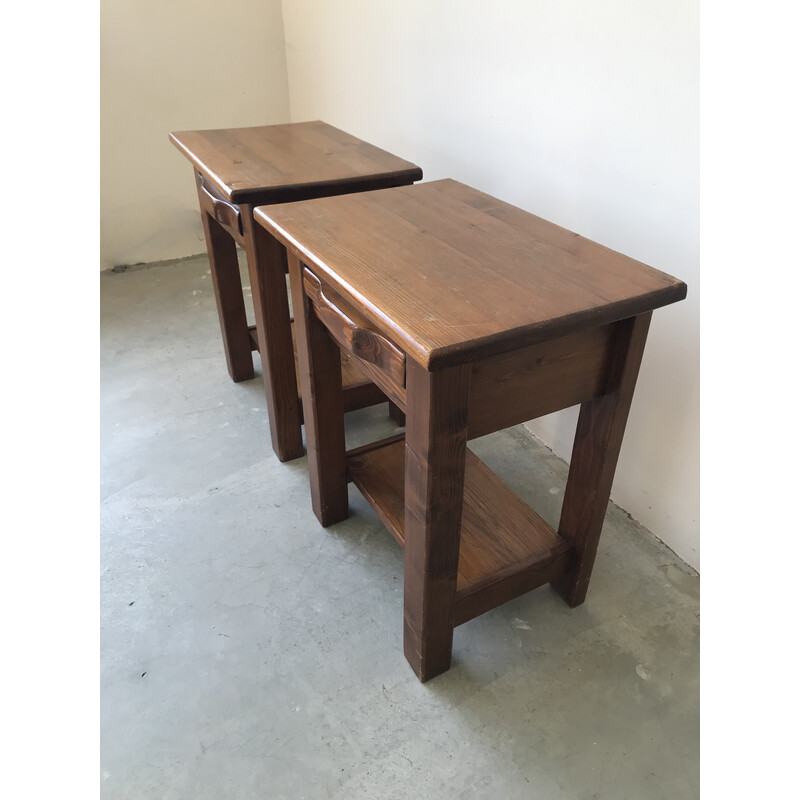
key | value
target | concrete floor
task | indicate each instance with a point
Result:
(249, 653)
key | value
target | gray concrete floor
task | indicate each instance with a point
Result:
(249, 653)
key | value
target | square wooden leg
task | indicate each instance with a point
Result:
(224, 265)
(319, 360)
(598, 438)
(436, 445)
(266, 263)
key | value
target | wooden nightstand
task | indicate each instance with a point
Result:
(472, 316)
(237, 169)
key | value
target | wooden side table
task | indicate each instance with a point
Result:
(239, 168)
(473, 316)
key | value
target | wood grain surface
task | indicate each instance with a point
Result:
(436, 443)
(538, 379)
(451, 274)
(505, 548)
(598, 439)
(266, 262)
(320, 370)
(279, 163)
(363, 343)
(224, 266)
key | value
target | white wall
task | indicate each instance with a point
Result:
(177, 65)
(585, 113)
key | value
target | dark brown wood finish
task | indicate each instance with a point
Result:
(266, 261)
(499, 317)
(598, 438)
(539, 379)
(237, 168)
(436, 444)
(362, 342)
(359, 390)
(505, 547)
(397, 414)
(452, 275)
(224, 265)
(296, 161)
(323, 405)
(227, 214)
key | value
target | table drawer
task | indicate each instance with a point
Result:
(385, 362)
(223, 211)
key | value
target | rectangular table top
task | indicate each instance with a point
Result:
(453, 274)
(251, 164)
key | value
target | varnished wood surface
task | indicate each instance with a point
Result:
(501, 536)
(278, 163)
(436, 444)
(266, 263)
(453, 275)
(237, 167)
(388, 371)
(320, 369)
(363, 343)
(352, 371)
(359, 390)
(501, 317)
(598, 439)
(227, 214)
(224, 266)
(538, 379)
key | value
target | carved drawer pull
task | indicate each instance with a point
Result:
(362, 342)
(224, 212)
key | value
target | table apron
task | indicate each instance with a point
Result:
(532, 381)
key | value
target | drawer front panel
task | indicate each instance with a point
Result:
(385, 361)
(227, 214)
(539, 379)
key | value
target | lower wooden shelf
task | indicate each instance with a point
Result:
(506, 548)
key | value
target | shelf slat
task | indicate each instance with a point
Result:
(506, 548)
